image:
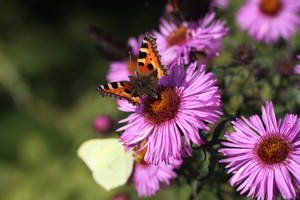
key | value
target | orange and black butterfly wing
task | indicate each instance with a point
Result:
(119, 89)
(149, 58)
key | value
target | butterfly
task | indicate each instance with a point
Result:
(148, 70)
(110, 164)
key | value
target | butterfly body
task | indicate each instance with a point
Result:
(144, 85)
(149, 69)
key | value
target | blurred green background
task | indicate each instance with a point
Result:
(49, 69)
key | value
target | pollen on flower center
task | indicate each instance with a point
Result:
(131, 65)
(177, 37)
(164, 108)
(270, 7)
(273, 150)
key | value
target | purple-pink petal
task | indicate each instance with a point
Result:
(148, 179)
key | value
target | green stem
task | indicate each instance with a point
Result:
(257, 90)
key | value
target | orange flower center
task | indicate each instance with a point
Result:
(163, 108)
(140, 154)
(273, 150)
(270, 7)
(131, 65)
(177, 37)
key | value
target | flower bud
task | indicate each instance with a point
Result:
(103, 123)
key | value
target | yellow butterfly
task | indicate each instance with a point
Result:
(106, 158)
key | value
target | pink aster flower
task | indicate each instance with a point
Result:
(120, 70)
(263, 155)
(267, 20)
(148, 178)
(178, 41)
(188, 100)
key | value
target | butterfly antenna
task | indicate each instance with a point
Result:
(130, 57)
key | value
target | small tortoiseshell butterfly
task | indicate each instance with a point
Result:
(149, 69)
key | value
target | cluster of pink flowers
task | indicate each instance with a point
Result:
(262, 153)
(190, 100)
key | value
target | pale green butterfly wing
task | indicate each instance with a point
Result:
(106, 158)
